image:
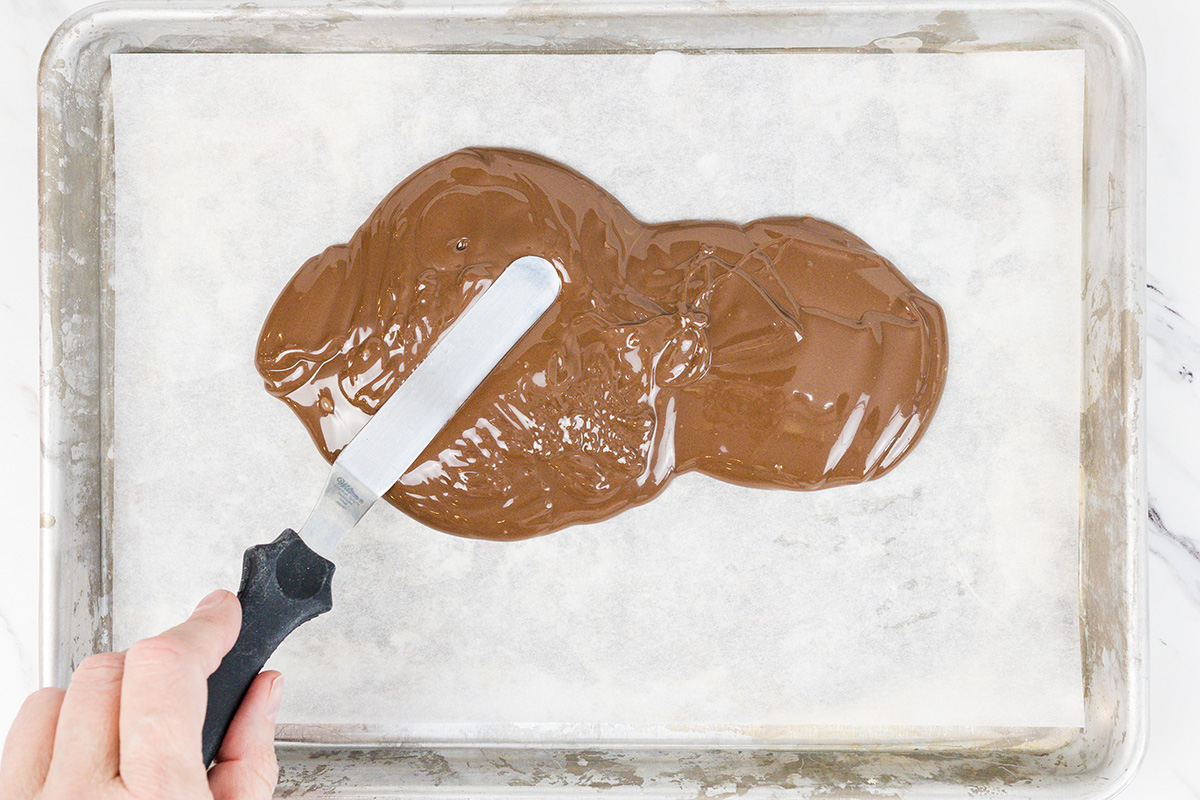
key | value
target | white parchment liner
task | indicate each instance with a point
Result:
(944, 594)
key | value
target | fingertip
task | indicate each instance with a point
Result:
(214, 598)
(221, 604)
(219, 610)
(274, 695)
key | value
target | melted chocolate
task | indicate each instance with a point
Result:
(782, 353)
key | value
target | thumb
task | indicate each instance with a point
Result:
(245, 767)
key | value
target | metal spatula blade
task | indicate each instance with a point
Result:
(463, 357)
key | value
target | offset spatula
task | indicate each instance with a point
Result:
(287, 582)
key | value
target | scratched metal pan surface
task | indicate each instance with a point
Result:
(77, 307)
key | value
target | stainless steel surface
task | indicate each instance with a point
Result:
(422, 405)
(76, 185)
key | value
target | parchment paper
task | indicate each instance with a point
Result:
(944, 594)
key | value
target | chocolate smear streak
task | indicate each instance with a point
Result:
(783, 353)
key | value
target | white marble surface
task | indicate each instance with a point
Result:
(1171, 769)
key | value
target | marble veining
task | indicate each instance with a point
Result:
(1177, 550)
(1173, 352)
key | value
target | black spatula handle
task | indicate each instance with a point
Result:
(284, 585)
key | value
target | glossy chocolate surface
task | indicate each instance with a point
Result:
(783, 353)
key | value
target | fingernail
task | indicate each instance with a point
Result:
(211, 600)
(274, 698)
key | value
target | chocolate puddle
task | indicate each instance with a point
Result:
(784, 353)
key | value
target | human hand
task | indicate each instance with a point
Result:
(129, 725)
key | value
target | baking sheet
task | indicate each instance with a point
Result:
(944, 594)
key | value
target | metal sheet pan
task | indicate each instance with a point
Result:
(76, 194)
